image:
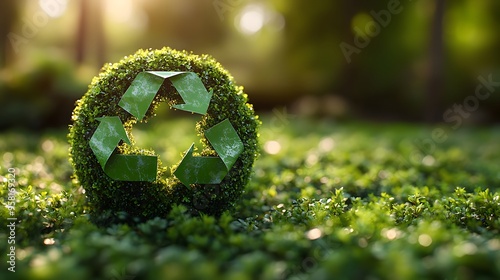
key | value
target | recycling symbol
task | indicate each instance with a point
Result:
(192, 169)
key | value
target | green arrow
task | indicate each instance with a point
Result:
(132, 168)
(103, 143)
(193, 92)
(201, 170)
(107, 135)
(137, 100)
(212, 170)
(138, 97)
(225, 141)
(140, 94)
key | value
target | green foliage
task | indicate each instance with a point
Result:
(336, 202)
(40, 94)
(138, 201)
(387, 52)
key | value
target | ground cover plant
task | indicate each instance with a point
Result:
(326, 201)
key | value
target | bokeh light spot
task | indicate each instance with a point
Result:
(272, 147)
(252, 19)
(314, 233)
(53, 8)
(424, 240)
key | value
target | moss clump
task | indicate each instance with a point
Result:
(114, 201)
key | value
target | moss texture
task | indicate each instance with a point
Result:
(338, 201)
(120, 201)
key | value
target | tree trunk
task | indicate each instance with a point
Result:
(90, 28)
(348, 74)
(81, 33)
(100, 39)
(8, 9)
(435, 84)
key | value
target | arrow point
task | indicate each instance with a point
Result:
(113, 125)
(183, 180)
(107, 135)
(195, 96)
(182, 171)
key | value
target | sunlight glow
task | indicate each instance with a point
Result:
(326, 144)
(314, 234)
(126, 12)
(119, 10)
(252, 19)
(49, 241)
(53, 8)
(425, 240)
(272, 147)
(391, 234)
(428, 160)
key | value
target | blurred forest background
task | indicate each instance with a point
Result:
(379, 59)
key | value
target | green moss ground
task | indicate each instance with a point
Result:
(338, 201)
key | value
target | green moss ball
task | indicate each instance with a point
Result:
(123, 201)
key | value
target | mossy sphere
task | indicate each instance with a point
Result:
(124, 201)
